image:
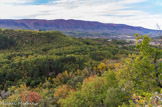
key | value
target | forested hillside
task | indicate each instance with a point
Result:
(49, 69)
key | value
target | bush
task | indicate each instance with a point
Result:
(116, 97)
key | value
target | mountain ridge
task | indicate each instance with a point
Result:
(72, 25)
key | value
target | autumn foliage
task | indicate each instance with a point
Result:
(32, 97)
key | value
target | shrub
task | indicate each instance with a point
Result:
(115, 97)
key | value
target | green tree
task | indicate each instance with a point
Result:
(116, 97)
(144, 70)
(93, 91)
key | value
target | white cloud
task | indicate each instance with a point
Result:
(14, 1)
(114, 11)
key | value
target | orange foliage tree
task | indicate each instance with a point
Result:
(32, 97)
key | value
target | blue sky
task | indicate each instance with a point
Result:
(39, 2)
(145, 13)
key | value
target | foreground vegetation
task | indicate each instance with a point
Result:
(49, 69)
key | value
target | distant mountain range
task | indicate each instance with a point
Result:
(77, 27)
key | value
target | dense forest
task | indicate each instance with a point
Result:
(50, 69)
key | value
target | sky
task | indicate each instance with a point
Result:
(145, 13)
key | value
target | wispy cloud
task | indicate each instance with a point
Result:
(107, 11)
